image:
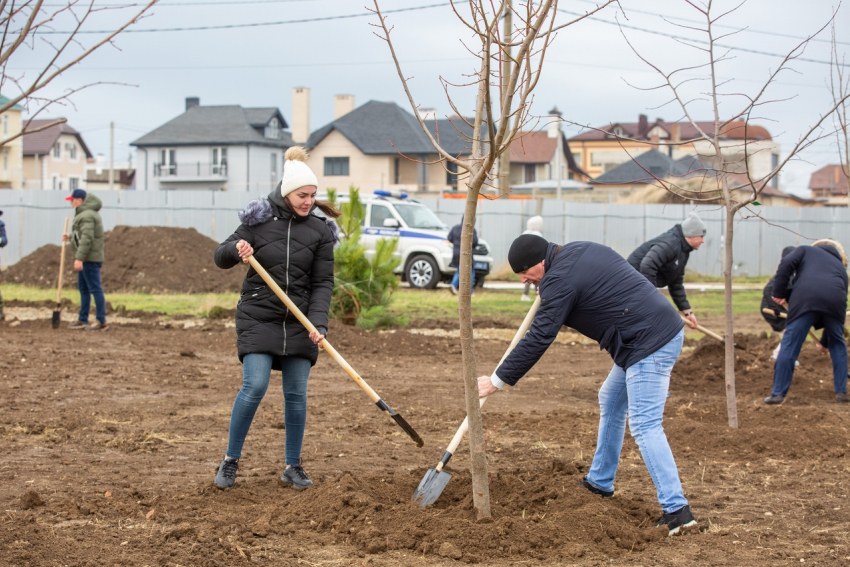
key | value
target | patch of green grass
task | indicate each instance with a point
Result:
(170, 304)
(712, 302)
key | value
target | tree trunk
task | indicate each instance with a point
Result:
(477, 455)
(731, 403)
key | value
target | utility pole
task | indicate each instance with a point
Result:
(111, 156)
(505, 158)
(555, 132)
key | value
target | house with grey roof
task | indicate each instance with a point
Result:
(216, 148)
(378, 145)
(54, 156)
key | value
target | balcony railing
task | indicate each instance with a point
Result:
(190, 170)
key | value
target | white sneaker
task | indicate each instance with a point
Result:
(453, 290)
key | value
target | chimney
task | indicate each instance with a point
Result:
(343, 104)
(675, 133)
(554, 126)
(300, 114)
(428, 113)
(192, 101)
(642, 125)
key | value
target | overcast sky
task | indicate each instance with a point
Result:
(591, 74)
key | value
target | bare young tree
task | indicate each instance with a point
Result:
(726, 168)
(839, 87)
(27, 26)
(502, 111)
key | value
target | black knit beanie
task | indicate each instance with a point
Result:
(526, 251)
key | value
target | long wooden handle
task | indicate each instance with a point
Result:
(464, 427)
(702, 329)
(310, 327)
(61, 264)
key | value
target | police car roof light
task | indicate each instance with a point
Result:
(382, 193)
(385, 193)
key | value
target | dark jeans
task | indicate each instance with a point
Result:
(256, 371)
(88, 282)
(792, 342)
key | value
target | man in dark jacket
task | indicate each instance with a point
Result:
(3, 242)
(454, 237)
(662, 260)
(820, 300)
(87, 247)
(591, 288)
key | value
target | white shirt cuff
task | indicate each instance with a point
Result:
(496, 381)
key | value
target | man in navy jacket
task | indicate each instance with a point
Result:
(820, 300)
(591, 288)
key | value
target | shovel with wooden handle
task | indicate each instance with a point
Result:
(783, 315)
(436, 479)
(57, 312)
(709, 333)
(382, 405)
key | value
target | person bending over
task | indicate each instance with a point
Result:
(591, 288)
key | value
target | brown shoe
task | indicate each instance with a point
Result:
(97, 326)
(77, 325)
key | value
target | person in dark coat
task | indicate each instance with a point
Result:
(819, 301)
(662, 260)
(454, 237)
(3, 242)
(296, 247)
(776, 322)
(592, 289)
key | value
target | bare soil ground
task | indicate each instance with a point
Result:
(113, 439)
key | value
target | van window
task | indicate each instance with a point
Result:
(379, 214)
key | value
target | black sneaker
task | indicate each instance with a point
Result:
(593, 489)
(226, 473)
(675, 521)
(841, 399)
(774, 400)
(295, 476)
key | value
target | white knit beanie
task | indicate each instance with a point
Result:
(296, 173)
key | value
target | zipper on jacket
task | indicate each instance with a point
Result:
(288, 241)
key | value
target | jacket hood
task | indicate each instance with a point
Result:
(833, 247)
(91, 203)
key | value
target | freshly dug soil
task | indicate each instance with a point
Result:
(151, 259)
(113, 440)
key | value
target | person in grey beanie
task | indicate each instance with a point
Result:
(662, 260)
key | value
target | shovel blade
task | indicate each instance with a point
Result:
(408, 429)
(55, 320)
(431, 487)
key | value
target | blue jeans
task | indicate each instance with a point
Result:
(256, 371)
(88, 282)
(639, 393)
(792, 342)
(456, 278)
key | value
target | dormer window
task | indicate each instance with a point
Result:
(618, 131)
(273, 129)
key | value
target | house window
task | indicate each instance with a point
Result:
(397, 171)
(57, 150)
(219, 161)
(530, 173)
(451, 175)
(72, 150)
(73, 183)
(336, 166)
(618, 131)
(274, 178)
(57, 183)
(273, 129)
(5, 124)
(168, 162)
(5, 159)
(577, 158)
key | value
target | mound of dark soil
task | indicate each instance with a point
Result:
(150, 259)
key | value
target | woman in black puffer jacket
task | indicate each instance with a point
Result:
(296, 247)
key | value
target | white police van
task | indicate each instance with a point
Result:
(425, 253)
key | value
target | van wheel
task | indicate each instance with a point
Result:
(422, 272)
